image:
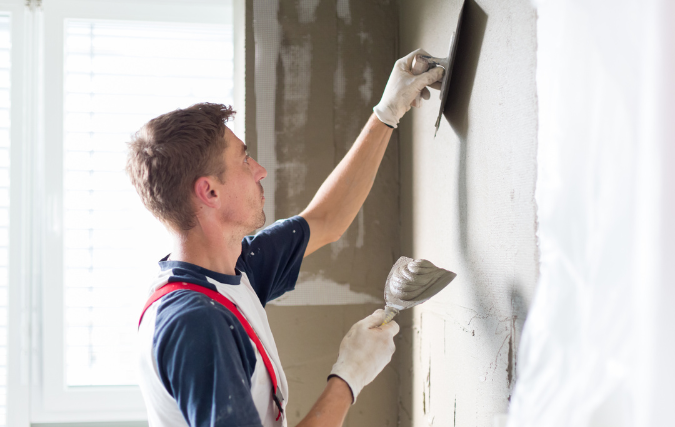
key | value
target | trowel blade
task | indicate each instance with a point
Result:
(448, 71)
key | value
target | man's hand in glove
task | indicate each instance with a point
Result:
(365, 351)
(404, 88)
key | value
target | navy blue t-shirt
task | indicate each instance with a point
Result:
(204, 356)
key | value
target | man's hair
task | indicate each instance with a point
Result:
(170, 152)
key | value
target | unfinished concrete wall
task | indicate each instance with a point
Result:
(315, 68)
(467, 204)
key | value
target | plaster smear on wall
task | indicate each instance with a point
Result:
(339, 82)
(343, 243)
(314, 289)
(307, 11)
(366, 89)
(344, 12)
(297, 61)
(295, 175)
(267, 35)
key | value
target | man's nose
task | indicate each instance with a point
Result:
(261, 172)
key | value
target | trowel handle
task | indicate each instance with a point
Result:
(389, 314)
(422, 63)
(419, 65)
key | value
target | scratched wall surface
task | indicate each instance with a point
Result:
(467, 204)
(315, 69)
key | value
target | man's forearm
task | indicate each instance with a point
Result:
(341, 196)
(331, 408)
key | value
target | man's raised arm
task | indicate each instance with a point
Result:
(341, 196)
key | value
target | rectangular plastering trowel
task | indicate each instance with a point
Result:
(422, 63)
(412, 282)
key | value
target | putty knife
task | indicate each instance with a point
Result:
(422, 63)
(412, 282)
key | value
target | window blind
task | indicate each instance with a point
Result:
(118, 75)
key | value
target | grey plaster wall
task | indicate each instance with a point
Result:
(331, 61)
(343, 53)
(464, 200)
(467, 204)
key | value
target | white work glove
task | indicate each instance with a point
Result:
(403, 89)
(365, 351)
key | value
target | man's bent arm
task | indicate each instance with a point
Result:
(340, 197)
(364, 352)
(331, 408)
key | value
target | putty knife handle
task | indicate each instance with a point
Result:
(389, 314)
(422, 63)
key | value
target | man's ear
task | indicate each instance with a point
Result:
(206, 192)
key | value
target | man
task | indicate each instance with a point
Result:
(208, 357)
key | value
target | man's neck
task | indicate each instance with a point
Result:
(214, 251)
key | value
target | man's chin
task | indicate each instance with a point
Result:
(260, 220)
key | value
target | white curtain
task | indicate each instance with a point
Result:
(598, 348)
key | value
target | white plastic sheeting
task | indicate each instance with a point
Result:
(598, 348)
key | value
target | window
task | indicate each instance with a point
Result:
(118, 75)
(92, 73)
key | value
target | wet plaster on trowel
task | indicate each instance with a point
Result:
(412, 282)
(467, 201)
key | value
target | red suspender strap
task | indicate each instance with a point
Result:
(218, 297)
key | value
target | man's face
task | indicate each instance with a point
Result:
(243, 198)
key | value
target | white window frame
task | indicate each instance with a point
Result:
(22, 133)
(37, 392)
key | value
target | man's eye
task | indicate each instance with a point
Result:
(246, 158)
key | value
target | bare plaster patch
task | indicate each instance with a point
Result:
(344, 12)
(364, 37)
(339, 81)
(315, 289)
(337, 247)
(307, 11)
(361, 232)
(296, 61)
(267, 35)
(366, 89)
(294, 175)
